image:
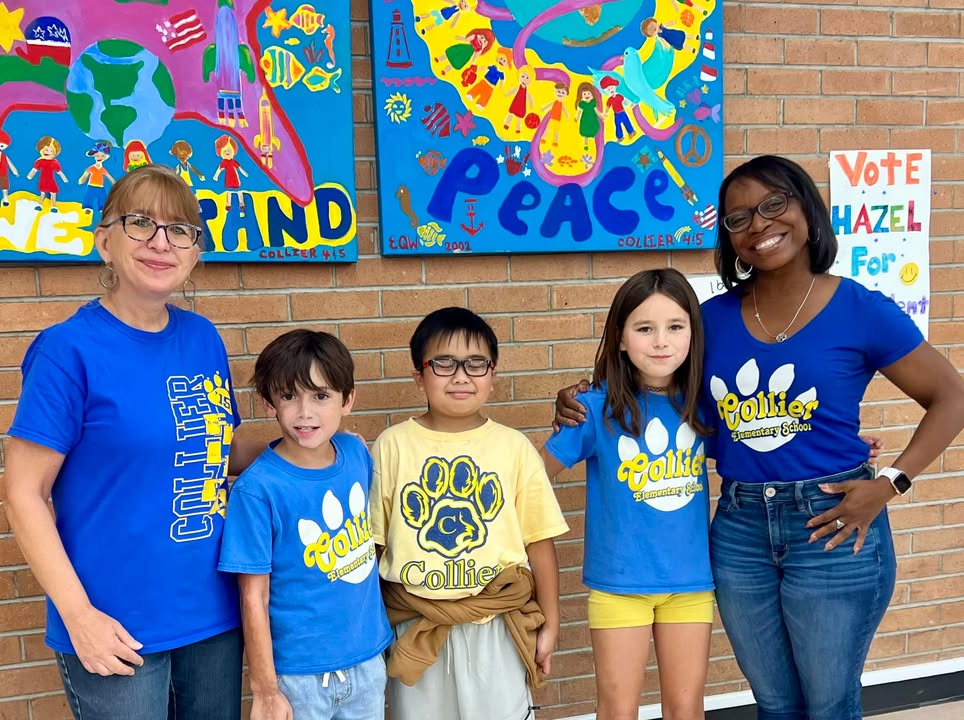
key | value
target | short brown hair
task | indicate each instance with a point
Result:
(287, 361)
(154, 190)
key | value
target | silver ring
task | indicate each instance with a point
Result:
(840, 524)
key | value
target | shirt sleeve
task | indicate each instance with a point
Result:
(572, 445)
(890, 332)
(536, 506)
(382, 491)
(51, 407)
(246, 546)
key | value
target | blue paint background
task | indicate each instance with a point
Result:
(398, 143)
(323, 121)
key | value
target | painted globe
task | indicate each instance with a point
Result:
(119, 91)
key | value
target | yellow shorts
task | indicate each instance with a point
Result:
(608, 610)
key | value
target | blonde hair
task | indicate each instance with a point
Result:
(154, 190)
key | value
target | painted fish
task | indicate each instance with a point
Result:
(318, 79)
(292, 41)
(431, 161)
(430, 234)
(307, 19)
(480, 141)
(281, 67)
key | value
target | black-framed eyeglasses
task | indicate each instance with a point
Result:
(773, 206)
(448, 366)
(143, 229)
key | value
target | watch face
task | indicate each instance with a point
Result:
(901, 483)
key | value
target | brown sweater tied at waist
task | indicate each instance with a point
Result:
(510, 595)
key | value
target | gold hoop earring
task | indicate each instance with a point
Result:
(743, 272)
(107, 277)
(189, 290)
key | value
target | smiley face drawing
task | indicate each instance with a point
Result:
(909, 273)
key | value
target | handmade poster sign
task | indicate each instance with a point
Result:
(248, 100)
(881, 208)
(547, 126)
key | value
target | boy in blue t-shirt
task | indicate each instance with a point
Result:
(298, 534)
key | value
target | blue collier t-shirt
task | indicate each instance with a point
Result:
(311, 530)
(647, 503)
(791, 411)
(145, 421)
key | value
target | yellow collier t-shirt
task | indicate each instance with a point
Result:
(455, 509)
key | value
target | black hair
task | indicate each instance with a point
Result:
(779, 173)
(287, 361)
(447, 323)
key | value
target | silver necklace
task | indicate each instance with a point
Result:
(782, 336)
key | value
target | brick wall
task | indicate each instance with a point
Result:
(803, 79)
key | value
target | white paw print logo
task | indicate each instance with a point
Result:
(345, 550)
(666, 479)
(767, 419)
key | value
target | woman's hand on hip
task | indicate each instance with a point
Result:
(103, 645)
(862, 502)
(570, 411)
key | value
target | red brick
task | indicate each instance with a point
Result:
(287, 275)
(800, 111)
(945, 55)
(419, 302)
(890, 53)
(753, 50)
(765, 20)
(254, 308)
(753, 111)
(465, 269)
(854, 22)
(890, 112)
(781, 141)
(927, 24)
(782, 81)
(855, 82)
(524, 268)
(820, 51)
(931, 84)
(329, 305)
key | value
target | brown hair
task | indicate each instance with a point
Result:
(586, 87)
(48, 140)
(286, 364)
(156, 191)
(615, 369)
(181, 147)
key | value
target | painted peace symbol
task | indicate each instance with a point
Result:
(693, 146)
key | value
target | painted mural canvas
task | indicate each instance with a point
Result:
(547, 125)
(248, 100)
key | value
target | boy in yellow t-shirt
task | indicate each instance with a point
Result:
(464, 516)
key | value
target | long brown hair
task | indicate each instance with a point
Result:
(615, 369)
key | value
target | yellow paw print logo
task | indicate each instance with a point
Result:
(218, 391)
(450, 504)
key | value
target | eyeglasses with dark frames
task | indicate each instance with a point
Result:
(143, 229)
(448, 366)
(773, 206)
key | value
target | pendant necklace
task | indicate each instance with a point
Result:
(781, 336)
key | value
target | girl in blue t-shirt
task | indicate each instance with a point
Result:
(647, 511)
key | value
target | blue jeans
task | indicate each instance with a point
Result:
(357, 693)
(800, 619)
(200, 681)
